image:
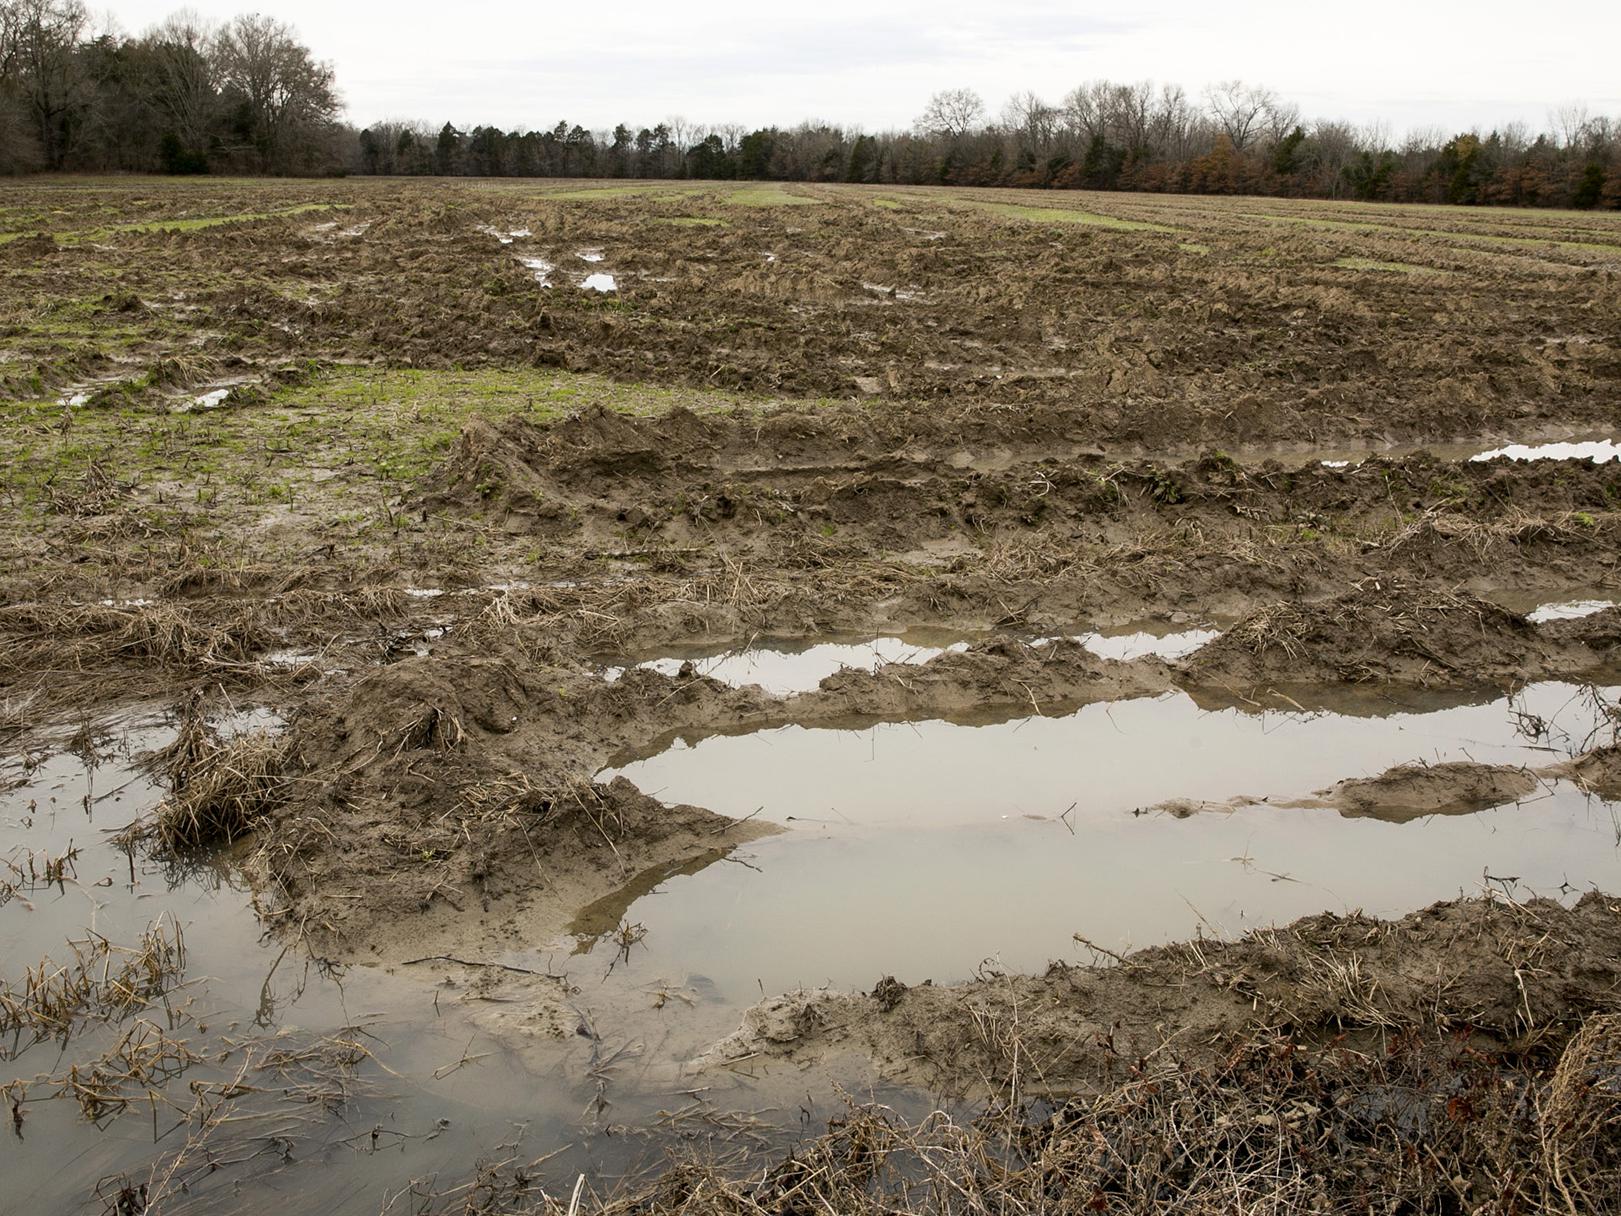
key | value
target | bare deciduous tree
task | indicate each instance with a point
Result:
(1247, 113)
(1032, 121)
(289, 95)
(39, 40)
(183, 86)
(1086, 110)
(952, 112)
(1571, 122)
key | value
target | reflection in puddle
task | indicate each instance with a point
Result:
(591, 255)
(1108, 758)
(599, 282)
(1568, 611)
(1138, 644)
(784, 668)
(920, 849)
(1599, 451)
(541, 268)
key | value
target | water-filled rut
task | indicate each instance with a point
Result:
(922, 849)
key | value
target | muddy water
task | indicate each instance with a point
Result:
(922, 849)
(429, 1113)
(918, 850)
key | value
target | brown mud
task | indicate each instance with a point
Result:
(1259, 337)
(1413, 791)
(1056, 428)
(447, 772)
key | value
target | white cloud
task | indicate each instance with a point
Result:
(1410, 63)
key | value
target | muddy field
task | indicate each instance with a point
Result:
(755, 698)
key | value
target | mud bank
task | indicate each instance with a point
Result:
(1456, 967)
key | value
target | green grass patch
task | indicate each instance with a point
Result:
(769, 196)
(195, 223)
(347, 435)
(692, 221)
(1193, 247)
(1388, 267)
(1064, 215)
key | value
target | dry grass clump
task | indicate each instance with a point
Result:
(1428, 1123)
(277, 1097)
(17, 714)
(94, 493)
(435, 729)
(85, 636)
(100, 982)
(219, 788)
(1581, 1114)
(32, 869)
(144, 1058)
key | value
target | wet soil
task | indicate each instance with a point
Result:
(1048, 433)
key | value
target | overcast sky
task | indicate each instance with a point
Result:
(1412, 63)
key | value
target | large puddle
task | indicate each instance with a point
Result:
(922, 849)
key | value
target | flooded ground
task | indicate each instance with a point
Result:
(927, 850)
(322, 1087)
(1599, 451)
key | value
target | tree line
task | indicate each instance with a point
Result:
(248, 97)
(245, 96)
(1235, 139)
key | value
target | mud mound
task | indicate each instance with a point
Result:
(1411, 791)
(1598, 771)
(489, 469)
(887, 482)
(1056, 677)
(1392, 634)
(28, 249)
(463, 780)
(1600, 631)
